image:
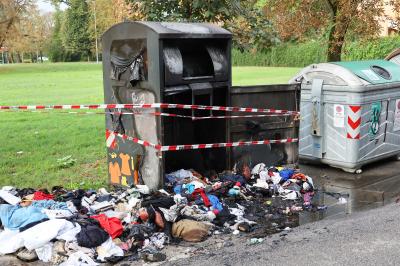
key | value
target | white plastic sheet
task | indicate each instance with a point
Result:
(37, 236)
(79, 258)
(44, 253)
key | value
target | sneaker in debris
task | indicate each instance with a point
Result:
(26, 255)
(59, 247)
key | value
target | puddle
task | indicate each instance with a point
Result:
(339, 194)
(345, 193)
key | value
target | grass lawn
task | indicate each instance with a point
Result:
(262, 75)
(31, 143)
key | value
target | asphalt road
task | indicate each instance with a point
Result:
(363, 238)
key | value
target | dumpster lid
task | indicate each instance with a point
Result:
(373, 71)
(182, 27)
(129, 29)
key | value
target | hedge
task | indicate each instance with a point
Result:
(303, 54)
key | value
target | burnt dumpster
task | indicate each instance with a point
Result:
(188, 64)
(149, 62)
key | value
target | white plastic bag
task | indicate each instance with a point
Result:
(79, 259)
(44, 253)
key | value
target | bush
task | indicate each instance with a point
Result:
(304, 54)
(284, 55)
(375, 49)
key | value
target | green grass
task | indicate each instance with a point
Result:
(31, 143)
(262, 75)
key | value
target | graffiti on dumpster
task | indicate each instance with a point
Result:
(115, 172)
(123, 169)
(374, 122)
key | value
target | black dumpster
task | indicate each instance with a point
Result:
(182, 63)
(148, 62)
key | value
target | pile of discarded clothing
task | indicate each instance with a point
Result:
(133, 223)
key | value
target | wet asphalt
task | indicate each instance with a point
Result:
(364, 238)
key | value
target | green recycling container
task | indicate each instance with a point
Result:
(350, 113)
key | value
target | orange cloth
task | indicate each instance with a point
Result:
(136, 177)
(135, 170)
(115, 172)
(125, 170)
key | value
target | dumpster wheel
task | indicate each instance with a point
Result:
(352, 170)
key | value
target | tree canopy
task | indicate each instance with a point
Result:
(257, 25)
(11, 12)
(189, 10)
(244, 18)
(76, 37)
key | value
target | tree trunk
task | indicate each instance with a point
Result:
(337, 35)
(19, 60)
(6, 59)
(10, 58)
(334, 47)
(188, 8)
(3, 38)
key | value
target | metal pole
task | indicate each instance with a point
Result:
(2, 57)
(95, 32)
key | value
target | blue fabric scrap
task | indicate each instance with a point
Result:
(14, 217)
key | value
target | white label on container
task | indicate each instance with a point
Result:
(338, 115)
(396, 125)
(370, 74)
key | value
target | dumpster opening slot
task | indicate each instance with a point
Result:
(383, 73)
(197, 62)
(185, 131)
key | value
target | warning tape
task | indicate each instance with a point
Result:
(98, 113)
(146, 106)
(238, 116)
(197, 146)
(150, 113)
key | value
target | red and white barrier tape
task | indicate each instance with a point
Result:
(110, 140)
(147, 106)
(237, 116)
(228, 144)
(102, 113)
(150, 113)
(199, 146)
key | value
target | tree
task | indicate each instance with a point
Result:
(244, 18)
(189, 10)
(56, 48)
(298, 19)
(11, 12)
(29, 34)
(110, 12)
(251, 30)
(42, 25)
(76, 36)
